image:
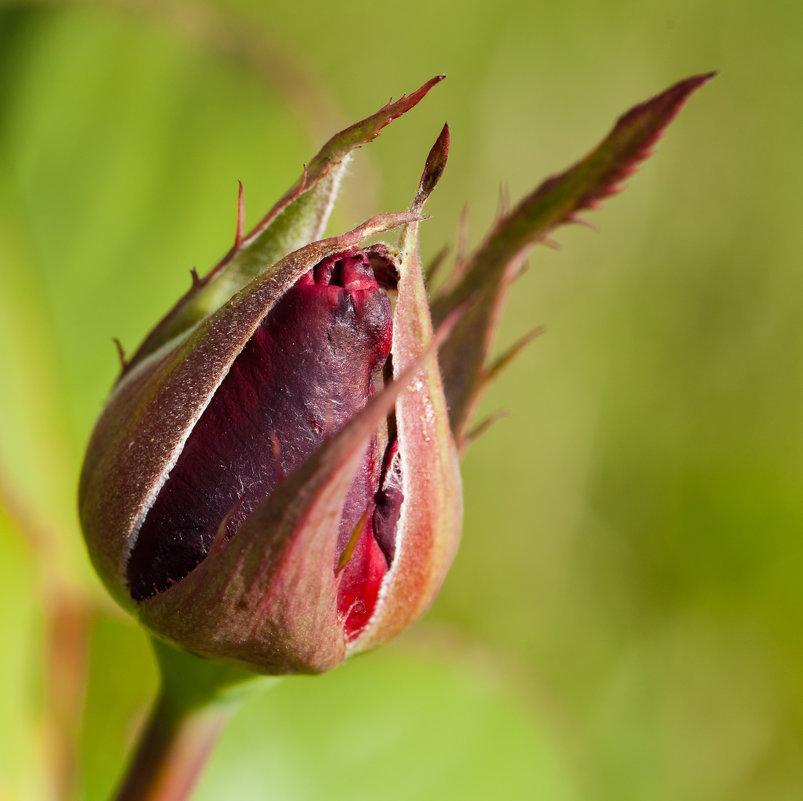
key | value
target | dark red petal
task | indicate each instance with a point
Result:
(308, 368)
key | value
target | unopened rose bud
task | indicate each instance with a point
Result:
(259, 488)
(274, 479)
(307, 370)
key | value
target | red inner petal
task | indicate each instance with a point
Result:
(373, 503)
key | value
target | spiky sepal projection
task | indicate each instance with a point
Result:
(487, 273)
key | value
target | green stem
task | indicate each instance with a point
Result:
(172, 751)
(195, 701)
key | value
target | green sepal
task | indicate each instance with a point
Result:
(299, 217)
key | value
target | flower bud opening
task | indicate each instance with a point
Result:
(312, 363)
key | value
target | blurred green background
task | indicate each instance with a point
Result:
(623, 621)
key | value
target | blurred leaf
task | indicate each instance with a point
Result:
(388, 725)
(155, 147)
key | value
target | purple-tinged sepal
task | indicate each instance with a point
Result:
(429, 472)
(484, 277)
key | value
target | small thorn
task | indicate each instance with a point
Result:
(581, 221)
(462, 236)
(523, 268)
(238, 236)
(482, 427)
(550, 243)
(283, 204)
(121, 354)
(506, 359)
(515, 268)
(438, 260)
(197, 283)
(504, 201)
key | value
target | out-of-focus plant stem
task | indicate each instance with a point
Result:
(245, 42)
(238, 40)
(66, 612)
(68, 617)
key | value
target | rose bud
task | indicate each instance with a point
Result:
(273, 481)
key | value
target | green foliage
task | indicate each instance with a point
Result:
(630, 571)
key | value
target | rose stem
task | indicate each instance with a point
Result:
(195, 701)
(172, 751)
